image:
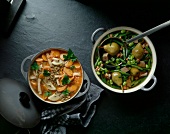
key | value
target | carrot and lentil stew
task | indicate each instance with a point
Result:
(56, 75)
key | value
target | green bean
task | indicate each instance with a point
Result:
(119, 43)
(122, 34)
(116, 87)
(121, 72)
(149, 63)
(99, 63)
(148, 49)
(116, 35)
(137, 67)
(95, 65)
(124, 53)
(123, 61)
(103, 79)
(136, 82)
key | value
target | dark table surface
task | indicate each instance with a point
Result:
(69, 24)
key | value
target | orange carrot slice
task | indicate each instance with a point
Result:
(39, 60)
(69, 72)
(69, 63)
(72, 88)
(61, 88)
(44, 57)
(55, 53)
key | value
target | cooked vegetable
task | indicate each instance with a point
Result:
(66, 92)
(34, 66)
(46, 73)
(138, 51)
(112, 48)
(116, 78)
(54, 78)
(70, 56)
(120, 65)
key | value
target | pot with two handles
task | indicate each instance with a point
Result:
(127, 70)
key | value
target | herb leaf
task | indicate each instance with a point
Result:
(70, 56)
(65, 80)
(66, 92)
(35, 66)
(46, 73)
(72, 67)
(47, 93)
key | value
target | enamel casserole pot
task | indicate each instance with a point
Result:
(85, 82)
(150, 76)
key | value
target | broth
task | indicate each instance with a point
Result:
(56, 75)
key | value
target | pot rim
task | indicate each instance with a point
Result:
(154, 58)
(51, 102)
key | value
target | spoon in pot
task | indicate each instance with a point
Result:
(146, 33)
(150, 31)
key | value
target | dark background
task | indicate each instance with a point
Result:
(69, 24)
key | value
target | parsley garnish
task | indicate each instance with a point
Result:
(65, 80)
(46, 73)
(72, 67)
(47, 93)
(70, 56)
(66, 92)
(35, 66)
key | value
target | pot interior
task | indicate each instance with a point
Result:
(60, 80)
(100, 47)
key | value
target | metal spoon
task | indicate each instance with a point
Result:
(148, 32)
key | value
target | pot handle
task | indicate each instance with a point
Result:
(154, 83)
(22, 66)
(86, 85)
(95, 32)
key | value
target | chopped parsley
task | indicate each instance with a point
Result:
(47, 93)
(72, 67)
(70, 56)
(46, 73)
(65, 80)
(66, 92)
(35, 66)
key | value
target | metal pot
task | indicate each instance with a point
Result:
(149, 77)
(79, 93)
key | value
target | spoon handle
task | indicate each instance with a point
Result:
(150, 31)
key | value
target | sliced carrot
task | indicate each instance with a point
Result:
(44, 57)
(33, 84)
(41, 76)
(72, 78)
(47, 68)
(68, 71)
(55, 53)
(77, 64)
(61, 88)
(43, 87)
(69, 63)
(72, 88)
(39, 60)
